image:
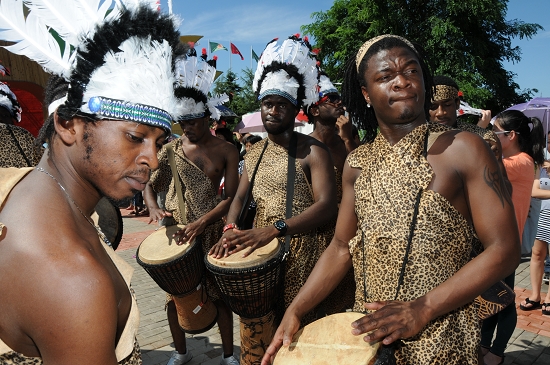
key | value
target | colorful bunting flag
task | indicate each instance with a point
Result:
(255, 56)
(235, 50)
(216, 47)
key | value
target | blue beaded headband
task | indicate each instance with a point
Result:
(119, 109)
(191, 116)
(284, 94)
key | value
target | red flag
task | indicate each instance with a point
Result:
(235, 50)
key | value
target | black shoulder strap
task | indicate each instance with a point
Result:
(244, 208)
(19, 146)
(291, 174)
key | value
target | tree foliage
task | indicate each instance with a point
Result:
(239, 90)
(467, 40)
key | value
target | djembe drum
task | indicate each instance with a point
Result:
(328, 341)
(109, 219)
(179, 270)
(250, 286)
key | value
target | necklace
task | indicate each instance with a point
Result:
(97, 228)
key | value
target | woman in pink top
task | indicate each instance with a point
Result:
(522, 141)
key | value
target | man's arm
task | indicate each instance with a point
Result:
(327, 273)
(492, 213)
(345, 131)
(231, 179)
(320, 212)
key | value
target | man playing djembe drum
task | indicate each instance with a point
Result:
(65, 295)
(202, 160)
(412, 197)
(283, 86)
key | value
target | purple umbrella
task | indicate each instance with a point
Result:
(252, 123)
(536, 107)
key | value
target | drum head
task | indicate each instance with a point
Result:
(328, 341)
(109, 219)
(160, 247)
(259, 256)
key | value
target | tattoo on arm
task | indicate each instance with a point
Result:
(495, 182)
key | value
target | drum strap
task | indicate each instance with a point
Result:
(19, 146)
(177, 183)
(291, 174)
(244, 208)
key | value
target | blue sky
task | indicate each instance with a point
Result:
(253, 23)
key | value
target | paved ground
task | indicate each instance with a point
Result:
(530, 343)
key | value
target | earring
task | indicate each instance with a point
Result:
(368, 105)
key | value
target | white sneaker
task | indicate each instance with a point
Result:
(229, 361)
(178, 359)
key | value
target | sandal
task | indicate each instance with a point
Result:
(546, 310)
(534, 305)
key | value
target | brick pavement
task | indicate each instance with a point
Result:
(529, 345)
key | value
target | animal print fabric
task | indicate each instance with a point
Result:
(200, 197)
(10, 154)
(385, 193)
(269, 192)
(486, 134)
(14, 358)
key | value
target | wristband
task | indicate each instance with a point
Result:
(229, 226)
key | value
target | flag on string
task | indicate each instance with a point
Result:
(216, 47)
(255, 56)
(235, 50)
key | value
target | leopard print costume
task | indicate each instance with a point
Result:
(441, 245)
(10, 154)
(200, 197)
(486, 134)
(14, 358)
(269, 192)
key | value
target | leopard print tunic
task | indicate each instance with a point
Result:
(441, 245)
(14, 358)
(269, 192)
(10, 153)
(200, 197)
(486, 134)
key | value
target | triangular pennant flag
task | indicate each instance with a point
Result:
(235, 50)
(255, 56)
(216, 47)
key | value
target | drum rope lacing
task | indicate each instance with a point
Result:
(97, 228)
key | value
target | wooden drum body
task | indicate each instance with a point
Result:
(250, 285)
(178, 270)
(196, 312)
(328, 341)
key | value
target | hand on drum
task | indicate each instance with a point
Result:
(235, 240)
(283, 336)
(190, 231)
(156, 214)
(391, 321)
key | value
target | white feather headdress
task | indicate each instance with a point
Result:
(195, 76)
(8, 100)
(326, 86)
(134, 81)
(293, 51)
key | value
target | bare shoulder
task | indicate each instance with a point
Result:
(461, 147)
(311, 145)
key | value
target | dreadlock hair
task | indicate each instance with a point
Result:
(56, 88)
(289, 69)
(352, 97)
(531, 139)
(444, 80)
(143, 23)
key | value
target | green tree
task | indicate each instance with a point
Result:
(467, 40)
(239, 90)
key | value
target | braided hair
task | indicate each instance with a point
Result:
(352, 97)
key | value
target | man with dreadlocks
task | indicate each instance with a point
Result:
(201, 160)
(16, 143)
(65, 293)
(412, 195)
(286, 79)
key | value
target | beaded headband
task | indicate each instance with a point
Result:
(365, 47)
(445, 92)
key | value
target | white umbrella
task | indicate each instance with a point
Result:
(252, 123)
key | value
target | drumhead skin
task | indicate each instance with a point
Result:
(160, 247)
(260, 255)
(328, 341)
